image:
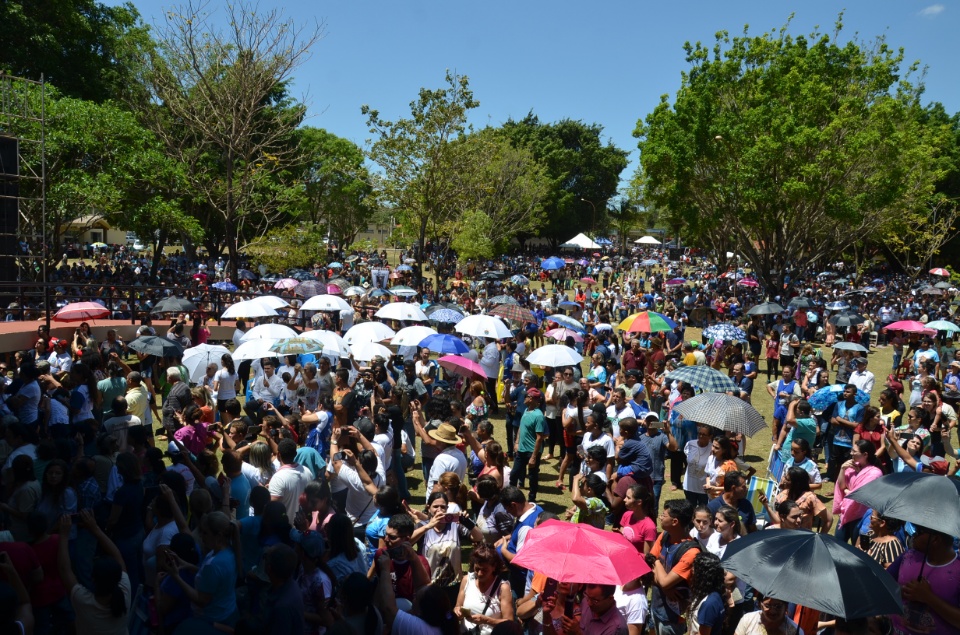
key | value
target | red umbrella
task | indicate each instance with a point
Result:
(515, 313)
(938, 271)
(576, 552)
(747, 282)
(80, 311)
(907, 326)
(462, 366)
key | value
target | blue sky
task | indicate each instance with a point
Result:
(606, 62)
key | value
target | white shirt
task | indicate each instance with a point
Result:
(450, 460)
(863, 380)
(360, 506)
(490, 362)
(694, 478)
(287, 485)
(632, 605)
(271, 392)
(237, 334)
(228, 384)
(603, 439)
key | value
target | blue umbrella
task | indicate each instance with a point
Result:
(377, 293)
(520, 280)
(246, 274)
(649, 262)
(552, 263)
(567, 304)
(826, 397)
(335, 265)
(404, 268)
(447, 316)
(441, 343)
(566, 321)
(726, 332)
(228, 287)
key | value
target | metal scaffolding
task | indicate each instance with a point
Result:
(23, 118)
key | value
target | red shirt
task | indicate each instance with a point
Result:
(402, 575)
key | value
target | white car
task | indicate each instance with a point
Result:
(138, 246)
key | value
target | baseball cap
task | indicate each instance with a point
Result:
(860, 361)
(633, 372)
(535, 393)
(310, 541)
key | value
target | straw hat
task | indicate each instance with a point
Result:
(445, 433)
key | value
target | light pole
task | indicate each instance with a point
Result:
(593, 219)
(736, 281)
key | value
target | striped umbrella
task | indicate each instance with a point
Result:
(286, 283)
(647, 322)
(939, 271)
(703, 377)
(515, 313)
(722, 411)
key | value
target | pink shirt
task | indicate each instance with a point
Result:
(850, 510)
(193, 437)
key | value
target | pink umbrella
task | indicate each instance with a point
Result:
(462, 366)
(907, 326)
(80, 311)
(333, 289)
(588, 280)
(562, 334)
(939, 271)
(577, 552)
(286, 283)
(747, 282)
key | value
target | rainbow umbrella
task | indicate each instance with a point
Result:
(647, 322)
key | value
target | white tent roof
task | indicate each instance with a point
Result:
(647, 240)
(581, 241)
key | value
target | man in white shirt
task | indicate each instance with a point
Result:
(861, 377)
(266, 389)
(290, 480)
(450, 459)
(60, 359)
(120, 423)
(239, 332)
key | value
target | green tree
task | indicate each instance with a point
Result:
(289, 246)
(624, 215)
(581, 169)
(791, 148)
(474, 240)
(338, 193)
(419, 157)
(99, 162)
(83, 47)
(224, 112)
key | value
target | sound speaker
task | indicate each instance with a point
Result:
(9, 207)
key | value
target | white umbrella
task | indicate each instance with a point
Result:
(483, 326)
(401, 311)
(268, 332)
(647, 240)
(326, 302)
(333, 344)
(271, 301)
(554, 355)
(412, 335)
(197, 359)
(254, 349)
(248, 309)
(368, 332)
(365, 351)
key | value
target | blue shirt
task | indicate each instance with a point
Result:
(843, 437)
(218, 578)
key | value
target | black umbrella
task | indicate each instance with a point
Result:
(814, 570)
(246, 274)
(159, 346)
(767, 308)
(845, 318)
(802, 302)
(491, 275)
(924, 499)
(174, 305)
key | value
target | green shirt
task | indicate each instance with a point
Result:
(804, 429)
(531, 423)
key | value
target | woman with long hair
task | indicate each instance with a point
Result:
(477, 409)
(801, 456)
(226, 383)
(346, 555)
(104, 608)
(637, 523)
(885, 546)
(872, 429)
(261, 458)
(573, 421)
(214, 590)
(707, 608)
(860, 469)
(57, 497)
(795, 486)
(485, 592)
(440, 537)
(726, 522)
(85, 397)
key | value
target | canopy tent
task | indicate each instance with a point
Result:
(647, 240)
(581, 241)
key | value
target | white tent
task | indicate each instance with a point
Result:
(647, 240)
(582, 242)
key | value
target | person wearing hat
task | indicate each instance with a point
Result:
(60, 359)
(531, 438)
(861, 377)
(450, 458)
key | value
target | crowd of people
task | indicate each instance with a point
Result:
(318, 494)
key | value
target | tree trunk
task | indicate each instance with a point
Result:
(159, 244)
